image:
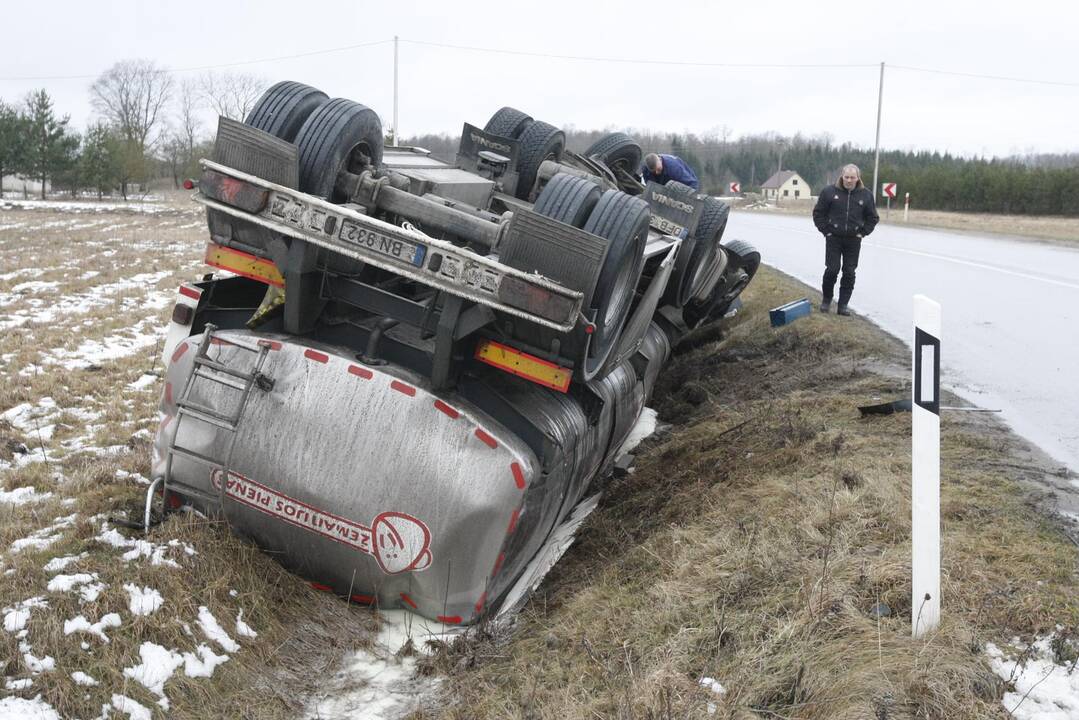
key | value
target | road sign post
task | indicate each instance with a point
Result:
(925, 468)
(888, 190)
(735, 188)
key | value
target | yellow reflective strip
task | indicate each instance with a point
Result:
(524, 365)
(244, 264)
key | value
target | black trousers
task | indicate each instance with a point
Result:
(839, 250)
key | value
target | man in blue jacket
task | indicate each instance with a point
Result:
(661, 168)
(844, 214)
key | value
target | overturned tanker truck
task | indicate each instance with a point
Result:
(412, 371)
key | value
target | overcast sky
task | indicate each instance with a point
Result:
(441, 87)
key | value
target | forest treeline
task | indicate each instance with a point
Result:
(1030, 185)
(150, 126)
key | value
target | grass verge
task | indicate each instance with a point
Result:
(757, 536)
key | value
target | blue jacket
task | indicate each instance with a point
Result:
(674, 168)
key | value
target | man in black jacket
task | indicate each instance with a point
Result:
(845, 213)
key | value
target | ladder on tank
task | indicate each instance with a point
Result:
(208, 370)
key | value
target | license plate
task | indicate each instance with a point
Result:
(396, 248)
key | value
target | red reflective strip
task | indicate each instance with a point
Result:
(518, 475)
(179, 351)
(272, 344)
(218, 341)
(360, 372)
(487, 439)
(320, 586)
(408, 600)
(449, 619)
(513, 522)
(315, 355)
(168, 393)
(364, 599)
(498, 564)
(443, 407)
(402, 388)
(480, 602)
(190, 292)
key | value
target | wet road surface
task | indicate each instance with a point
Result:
(1010, 311)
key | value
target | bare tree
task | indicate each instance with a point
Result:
(132, 96)
(185, 129)
(232, 95)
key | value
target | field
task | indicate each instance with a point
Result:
(741, 571)
(1064, 230)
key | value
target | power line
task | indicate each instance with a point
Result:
(1036, 81)
(636, 61)
(216, 66)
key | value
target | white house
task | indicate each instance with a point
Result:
(786, 185)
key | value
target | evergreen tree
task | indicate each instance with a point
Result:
(13, 128)
(97, 166)
(49, 147)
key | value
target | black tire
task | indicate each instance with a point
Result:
(743, 260)
(696, 268)
(622, 219)
(538, 142)
(339, 135)
(682, 187)
(569, 199)
(709, 231)
(508, 122)
(617, 151)
(282, 110)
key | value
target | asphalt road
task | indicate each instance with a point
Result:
(1010, 312)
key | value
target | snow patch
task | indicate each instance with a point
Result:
(1044, 690)
(13, 708)
(202, 662)
(81, 624)
(82, 678)
(23, 495)
(59, 563)
(142, 383)
(242, 628)
(89, 591)
(157, 666)
(133, 710)
(143, 601)
(213, 630)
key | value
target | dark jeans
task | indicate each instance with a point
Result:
(837, 249)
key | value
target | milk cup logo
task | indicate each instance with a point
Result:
(398, 542)
(480, 140)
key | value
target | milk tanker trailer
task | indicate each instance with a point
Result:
(413, 370)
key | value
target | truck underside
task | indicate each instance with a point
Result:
(414, 371)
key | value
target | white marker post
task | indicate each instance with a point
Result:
(906, 207)
(925, 469)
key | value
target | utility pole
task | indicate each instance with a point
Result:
(397, 143)
(876, 156)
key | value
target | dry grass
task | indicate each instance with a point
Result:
(748, 546)
(1061, 230)
(302, 633)
(753, 540)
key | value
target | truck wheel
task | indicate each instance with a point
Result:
(742, 262)
(622, 219)
(282, 109)
(569, 199)
(339, 135)
(539, 142)
(617, 151)
(508, 122)
(710, 232)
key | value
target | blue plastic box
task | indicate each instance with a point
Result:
(790, 312)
